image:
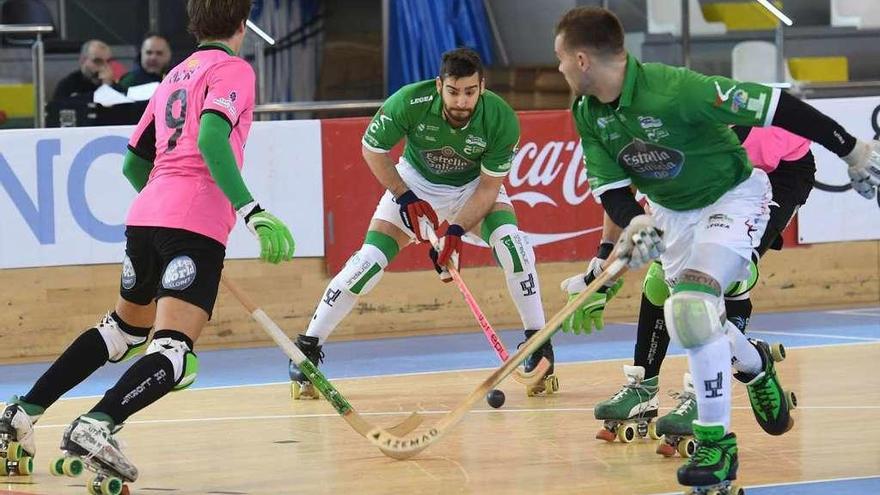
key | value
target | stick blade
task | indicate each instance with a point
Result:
(534, 376)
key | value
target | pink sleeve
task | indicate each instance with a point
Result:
(767, 146)
(230, 89)
(143, 141)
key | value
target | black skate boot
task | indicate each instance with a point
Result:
(300, 386)
(713, 466)
(550, 383)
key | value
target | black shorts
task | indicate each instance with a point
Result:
(161, 261)
(791, 182)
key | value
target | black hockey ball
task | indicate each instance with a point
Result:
(495, 398)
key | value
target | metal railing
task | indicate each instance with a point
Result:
(37, 56)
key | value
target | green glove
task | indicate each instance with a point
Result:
(276, 243)
(591, 313)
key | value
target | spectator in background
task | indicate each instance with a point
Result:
(94, 70)
(154, 61)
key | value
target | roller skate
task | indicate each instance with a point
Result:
(300, 386)
(676, 428)
(88, 443)
(713, 466)
(550, 383)
(771, 404)
(17, 446)
(629, 412)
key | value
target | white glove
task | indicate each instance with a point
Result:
(864, 167)
(640, 242)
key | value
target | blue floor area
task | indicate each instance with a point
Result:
(844, 486)
(459, 351)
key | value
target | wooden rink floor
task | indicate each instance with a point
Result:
(255, 440)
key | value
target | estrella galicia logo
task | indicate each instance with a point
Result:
(179, 274)
(650, 160)
(129, 278)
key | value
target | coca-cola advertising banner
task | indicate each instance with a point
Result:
(547, 184)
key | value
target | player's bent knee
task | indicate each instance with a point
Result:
(177, 347)
(655, 287)
(363, 270)
(120, 345)
(693, 318)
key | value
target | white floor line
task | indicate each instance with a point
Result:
(856, 312)
(801, 482)
(818, 335)
(422, 412)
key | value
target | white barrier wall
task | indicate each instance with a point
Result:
(834, 211)
(64, 199)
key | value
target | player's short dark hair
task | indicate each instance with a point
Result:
(461, 62)
(593, 28)
(216, 19)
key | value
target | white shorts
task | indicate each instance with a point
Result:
(446, 200)
(736, 221)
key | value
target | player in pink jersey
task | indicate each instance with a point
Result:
(184, 159)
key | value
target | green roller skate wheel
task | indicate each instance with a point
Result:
(72, 466)
(55, 467)
(4, 468)
(111, 486)
(26, 465)
(14, 451)
(295, 390)
(92, 487)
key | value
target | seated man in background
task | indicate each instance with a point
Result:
(94, 70)
(155, 58)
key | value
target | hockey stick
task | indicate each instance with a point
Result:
(526, 378)
(342, 406)
(404, 447)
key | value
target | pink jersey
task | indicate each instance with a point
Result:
(766, 146)
(181, 192)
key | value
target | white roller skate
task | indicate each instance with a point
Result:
(88, 443)
(17, 447)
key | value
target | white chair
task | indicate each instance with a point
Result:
(862, 14)
(664, 16)
(755, 61)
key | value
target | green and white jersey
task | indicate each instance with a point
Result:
(438, 151)
(668, 134)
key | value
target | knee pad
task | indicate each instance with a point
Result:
(742, 287)
(655, 287)
(512, 250)
(120, 344)
(694, 318)
(363, 270)
(178, 349)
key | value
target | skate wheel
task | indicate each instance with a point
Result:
(72, 466)
(295, 390)
(605, 434)
(55, 467)
(736, 490)
(13, 451)
(652, 431)
(686, 447)
(4, 467)
(777, 352)
(26, 465)
(627, 433)
(665, 449)
(792, 400)
(552, 384)
(111, 486)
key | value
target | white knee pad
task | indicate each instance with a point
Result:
(694, 318)
(363, 270)
(513, 250)
(120, 345)
(183, 360)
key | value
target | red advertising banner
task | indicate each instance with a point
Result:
(547, 184)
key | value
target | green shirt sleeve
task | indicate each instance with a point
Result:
(603, 172)
(136, 170)
(720, 99)
(388, 126)
(498, 157)
(215, 148)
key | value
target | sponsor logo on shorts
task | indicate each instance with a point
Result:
(651, 161)
(129, 278)
(445, 161)
(751, 229)
(179, 274)
(719, 221)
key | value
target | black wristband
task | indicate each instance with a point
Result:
(455, 229)
(406, 198)
(604, 250)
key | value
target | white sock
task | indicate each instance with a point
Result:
(712, 381)
(517, 259)
(746, 358)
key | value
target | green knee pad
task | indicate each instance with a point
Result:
(654, 286)
(740, 287)
(190, 371)
(384, 242)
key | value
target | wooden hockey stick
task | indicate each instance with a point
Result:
(342, 406)
(526, 378)
(404, 447)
